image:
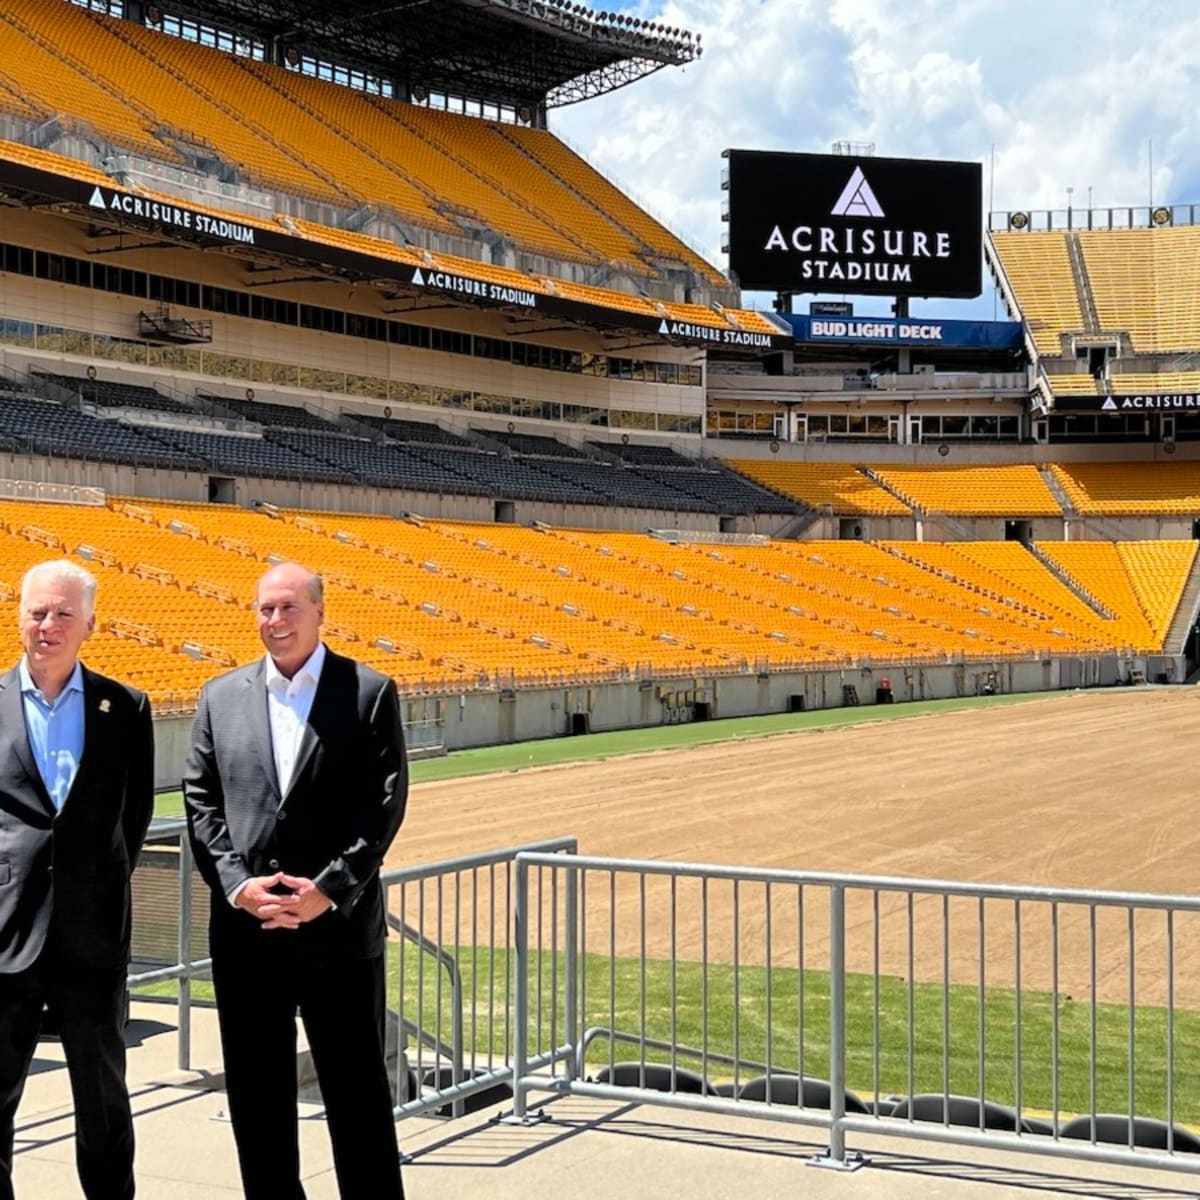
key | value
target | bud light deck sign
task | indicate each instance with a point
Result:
(863, 226)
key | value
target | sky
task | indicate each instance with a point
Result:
(1103, 99)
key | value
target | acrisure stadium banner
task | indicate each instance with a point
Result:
(855, 225)
(1132, 403)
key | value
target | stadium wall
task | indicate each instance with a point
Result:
(477, 719)
(959, 453)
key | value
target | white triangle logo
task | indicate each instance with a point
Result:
(418, 279)
(1110, 405)
(664, 327)
(97, 200)
(857, 198)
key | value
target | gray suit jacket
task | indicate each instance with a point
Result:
(64, 876)
(343, 808)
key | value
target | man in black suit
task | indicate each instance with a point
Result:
(76, 796)
(295, 787)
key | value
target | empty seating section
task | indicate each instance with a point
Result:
(1097, 568)
(560, 159)
(52, 429)
(1075, 385)
(646, 456)
(838, 487)
(720, 489)
(254, 456)
(446, 605)
(379, 465)
(1120, 271)
(1010, 578)
(1131, 489)
(1159, 572)
(1177, 289)
(484, 146)
(1038, 267)
(1132, 382)
(1018, 491)
(105, 394)
(400, 429)
(935, 607)
(533, 444)
(1145, 283)
(281, 416)
(49, 53)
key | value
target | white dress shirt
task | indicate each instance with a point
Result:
(289, 701)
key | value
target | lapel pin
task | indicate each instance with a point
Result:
(105, 705)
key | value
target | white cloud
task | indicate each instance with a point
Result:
(1069, 94)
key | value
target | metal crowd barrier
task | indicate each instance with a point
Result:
(452, 1001)
(1059, 1012)
(169, 921)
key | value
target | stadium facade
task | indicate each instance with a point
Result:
(294, 257)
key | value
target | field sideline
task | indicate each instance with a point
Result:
(599, 746)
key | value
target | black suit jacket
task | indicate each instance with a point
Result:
(64, 876)
(341, 812)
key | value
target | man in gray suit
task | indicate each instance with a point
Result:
(76, 796)
(295, 787)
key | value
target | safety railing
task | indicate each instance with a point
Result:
(453, 989)
(170, 922)
(1057, 1022)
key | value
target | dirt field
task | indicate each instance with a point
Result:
(1079, 790)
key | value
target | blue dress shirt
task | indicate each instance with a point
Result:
(55, 731)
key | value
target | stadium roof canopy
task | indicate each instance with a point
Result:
(512, 52)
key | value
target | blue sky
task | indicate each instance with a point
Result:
(1069, 94)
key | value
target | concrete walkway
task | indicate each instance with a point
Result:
(586, 1150)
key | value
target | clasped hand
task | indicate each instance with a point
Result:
(283, 910)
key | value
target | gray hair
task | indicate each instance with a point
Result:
(62, 570)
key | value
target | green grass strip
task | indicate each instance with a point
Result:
(598, 746)
(741, 1029)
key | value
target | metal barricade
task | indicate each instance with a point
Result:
(1050, 1021)
(169, 921)
(452, 993)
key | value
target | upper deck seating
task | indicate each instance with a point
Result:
(278, 416)
(1145, 283)
(107, 394)
(419, 433)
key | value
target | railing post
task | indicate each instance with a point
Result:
(837, 1023)
(521, 997)
(571, 963)
(835, 1157)
(185, 951)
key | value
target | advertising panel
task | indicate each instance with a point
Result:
(857, 225)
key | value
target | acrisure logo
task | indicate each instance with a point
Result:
(857, 198)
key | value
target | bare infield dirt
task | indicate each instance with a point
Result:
(1079, 790)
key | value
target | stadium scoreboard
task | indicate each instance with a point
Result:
(860, 225)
